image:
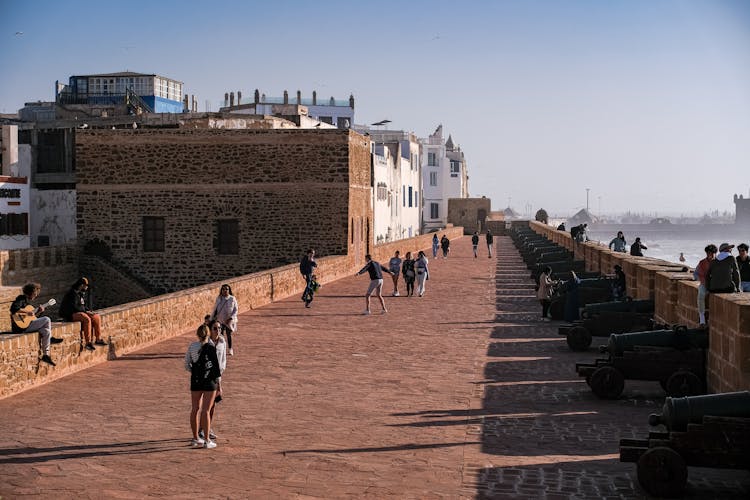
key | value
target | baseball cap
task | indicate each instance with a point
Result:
(725, 247)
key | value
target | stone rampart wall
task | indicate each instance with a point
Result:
(676, 295)
(131, 326)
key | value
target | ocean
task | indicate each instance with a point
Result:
(668, 247)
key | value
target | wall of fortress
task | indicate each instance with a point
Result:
(135, 325)
(288, 190)
(676, 298)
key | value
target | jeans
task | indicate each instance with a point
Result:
(702, 292)
(42, 325)
(745, 286)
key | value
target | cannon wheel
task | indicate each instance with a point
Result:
(662, 472)
(579, 338)
(607, 382)
(684, 383)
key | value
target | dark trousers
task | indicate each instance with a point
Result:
(307, 295)
(545, 306)
(409, 285)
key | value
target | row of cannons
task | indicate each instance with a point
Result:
(702, 430)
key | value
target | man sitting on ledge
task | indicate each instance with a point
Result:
(24, 320)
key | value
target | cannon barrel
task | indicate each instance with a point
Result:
(636, 306)
(677, 413)
(677, 339)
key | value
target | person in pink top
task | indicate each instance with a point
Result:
(700, 275)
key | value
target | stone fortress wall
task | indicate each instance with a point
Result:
(676, 298)
(131, 326)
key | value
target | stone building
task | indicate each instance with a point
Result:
(471, 213)
(742, 211)
(444, 176)
(185, 206)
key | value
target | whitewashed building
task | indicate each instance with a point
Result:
(396, 184)
(444, 176)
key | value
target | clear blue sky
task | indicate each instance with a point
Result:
(645, 102)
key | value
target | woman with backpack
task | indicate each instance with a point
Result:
(202, 362)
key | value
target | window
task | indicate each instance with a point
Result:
(14, 224)
(455, 168)
(433, 178)
(432, 160)
(382, 191)
(416, 198)
(153, 234)
(434, 212)
(403, 196)
(410, 196)
(229, 237)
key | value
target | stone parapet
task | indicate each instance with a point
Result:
(135, 325)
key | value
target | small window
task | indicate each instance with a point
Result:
(229, 237)
(433, 178)
(14, 224)
(411, 194)
(153, 234)
(432, 160)
(434, 211)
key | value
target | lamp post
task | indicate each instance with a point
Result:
(587, 200)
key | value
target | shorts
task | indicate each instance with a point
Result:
(203, 385)
(373, 285)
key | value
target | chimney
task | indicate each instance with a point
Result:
(226, 99)
(239, 97)
(231, 99)
(351, 101)
(299, 97)
(257, 96)
(195, 104)
(315, 98)
(286, 97)
(185, 107)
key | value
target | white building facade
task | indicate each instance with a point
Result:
(444, 176)
(396, 184)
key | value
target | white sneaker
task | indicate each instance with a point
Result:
(209, 444)
(365, 312)
(384, 311)
(197, 443)
(231, 352)
(395, 294)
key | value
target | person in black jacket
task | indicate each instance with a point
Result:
(306, 266)
(637, 248)
(475, 243)
(76, 306)
(21, 308)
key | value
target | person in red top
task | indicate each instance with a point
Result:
(700, 275)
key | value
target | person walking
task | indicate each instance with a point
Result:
(637, 248)
(203, 364)
(24, 320)
(394, 266)
(544, 292)
(225, 311)
(409, 274)
(618, 243)
(423, 272)
(723, 274)
(435, 245)
(220, 343)
(76, 306)
(306, 267)
(490, 242)
(743, 263)
(619, 285)
(445, 244)
(375, 270)
(700, 273)
(475, 243)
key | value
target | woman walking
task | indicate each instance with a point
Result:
(423, 272)
(394, 266)
(544, 292)
(203, 364)
(409, 274)
(435, 245)
(225, 311)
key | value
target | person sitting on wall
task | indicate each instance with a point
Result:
(637, 248)
(618, 242)
(24, 320)
(76, 306)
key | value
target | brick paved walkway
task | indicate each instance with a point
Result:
(460, 394)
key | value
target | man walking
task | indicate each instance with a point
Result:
(306, 266)
(475, 243)
(375, 271)
(490, 242)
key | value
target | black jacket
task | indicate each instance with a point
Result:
(74, 302)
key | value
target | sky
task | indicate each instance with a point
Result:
(645, 103)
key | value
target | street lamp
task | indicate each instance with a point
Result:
(587, 200)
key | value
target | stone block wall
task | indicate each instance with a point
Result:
(288, 190)
(132, 326)
(109, 286)
(676, 295)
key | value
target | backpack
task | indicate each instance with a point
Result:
(206, 367)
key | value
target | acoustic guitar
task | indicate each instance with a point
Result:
(24, 316)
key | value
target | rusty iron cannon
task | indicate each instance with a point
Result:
(676, 358)
(605, 318)
(702, 431)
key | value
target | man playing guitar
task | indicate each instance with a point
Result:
(21, 311)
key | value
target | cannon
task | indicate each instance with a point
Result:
(589, 291)
(675, 358)
(629, 305)
(579, 334)
(702, 431)
(562, 267)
